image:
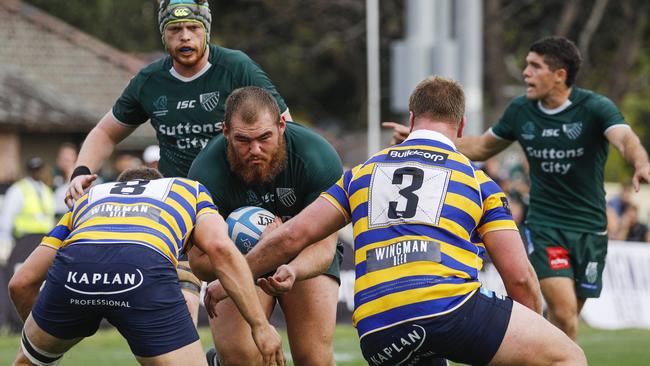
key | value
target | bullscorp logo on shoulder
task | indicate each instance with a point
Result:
(423, 155)
(103, 283)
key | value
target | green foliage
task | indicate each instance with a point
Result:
(128, 25)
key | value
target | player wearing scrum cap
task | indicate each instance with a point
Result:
(183, 95)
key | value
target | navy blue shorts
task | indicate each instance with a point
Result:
(470, 334)
(131, 286)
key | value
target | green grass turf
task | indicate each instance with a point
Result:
(630, 347)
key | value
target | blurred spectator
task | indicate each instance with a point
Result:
(620, 201)
(151, 155)
(613, 223)
(28, 207)
(630, 227)
(65, 159)
(122, 162)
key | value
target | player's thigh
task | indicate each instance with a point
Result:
(548, 252)
(559, 293)
(38, 345)
(310, 312)
(589, 261)
(531, 340)
(230, 331)
(188, 355)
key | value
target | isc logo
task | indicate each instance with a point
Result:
(185, 104)
(551, 132)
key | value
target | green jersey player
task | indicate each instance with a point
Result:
(183, 96)
(261, 160)
(565, 133)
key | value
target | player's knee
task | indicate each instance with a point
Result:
(236, 356)
(575, 356)
(17, 287)
(38, 356)
(565, 315)
(316, 355)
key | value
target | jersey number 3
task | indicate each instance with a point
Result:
(396, 194)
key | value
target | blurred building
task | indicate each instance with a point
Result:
(56, 82)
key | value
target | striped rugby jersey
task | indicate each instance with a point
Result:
(418, 210)
(159, 214)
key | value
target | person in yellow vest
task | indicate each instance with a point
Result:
(28, 206)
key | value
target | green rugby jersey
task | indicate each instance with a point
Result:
(187, 112)
(312, 167)
(566, 153)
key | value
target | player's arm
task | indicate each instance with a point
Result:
(200, 264)
(96, 148)
(210, 235)
(628, 143)
(483, 147)
(315, 259)
(25, 284)
(507, 253)
(400, 132)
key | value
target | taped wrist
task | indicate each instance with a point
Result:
(80, 170)
(186, 279)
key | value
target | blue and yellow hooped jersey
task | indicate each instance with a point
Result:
(418, 210)
(159, 214)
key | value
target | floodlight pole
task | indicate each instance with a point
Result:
(374, 85)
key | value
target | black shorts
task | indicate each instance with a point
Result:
(470, 334)
(131, 286)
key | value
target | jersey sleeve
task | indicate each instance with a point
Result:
(504, 128)
(254, 75)
(54, 239)
(606, 112)
(127, 109)
(338, 196)
(496, 209)
(324, 169)
(204, 202)
(206, 171)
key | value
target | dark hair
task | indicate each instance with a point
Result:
(248, 102)
(559, 53)
(141, 173)
(438, 98)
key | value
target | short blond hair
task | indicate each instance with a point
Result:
(438, 98)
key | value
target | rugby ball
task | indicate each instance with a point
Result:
(246, 224)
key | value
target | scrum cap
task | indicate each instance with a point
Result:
(172, 11)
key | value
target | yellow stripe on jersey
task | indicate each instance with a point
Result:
(397, 299)
(159, 214)
(409, 269)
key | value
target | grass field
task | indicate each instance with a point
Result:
(603, 348)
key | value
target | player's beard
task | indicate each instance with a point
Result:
(262, 173)
(197, 56)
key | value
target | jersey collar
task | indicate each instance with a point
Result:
(191, 78)
(431, 135)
